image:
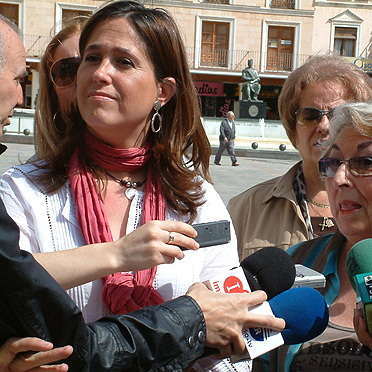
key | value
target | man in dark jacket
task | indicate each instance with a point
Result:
(227, 139)
(32, 304)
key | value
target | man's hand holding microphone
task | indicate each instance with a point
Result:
(228, 315)
(294, 315)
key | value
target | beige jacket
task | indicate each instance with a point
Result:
(268, 215)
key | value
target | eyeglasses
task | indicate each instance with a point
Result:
(63, 72)
(311, 116)
(359, 166)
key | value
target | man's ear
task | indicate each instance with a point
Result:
(167, 89)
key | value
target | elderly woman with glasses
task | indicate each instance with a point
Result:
(346, 169)
(294, 207)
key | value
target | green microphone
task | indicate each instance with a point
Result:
(359, 270)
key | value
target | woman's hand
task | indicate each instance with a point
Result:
(227, 315)
(155, 243)
(32, 354)
(360, 327)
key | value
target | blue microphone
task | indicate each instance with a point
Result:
(305, 313)
(306, 316)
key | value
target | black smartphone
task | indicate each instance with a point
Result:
(212, 233)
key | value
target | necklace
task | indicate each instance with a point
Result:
(321, 205)
(131, 186)
(326, 221)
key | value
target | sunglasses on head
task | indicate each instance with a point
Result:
(310, 115)
(358, 166)
(63, 72)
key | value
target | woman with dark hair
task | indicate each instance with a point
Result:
(134, 152)
(294, 207)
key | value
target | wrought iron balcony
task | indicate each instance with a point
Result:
(236, 60)
(35, 45)
(201, 58)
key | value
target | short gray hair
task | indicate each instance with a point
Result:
(230, 113)
(355, 114)
(14, 27)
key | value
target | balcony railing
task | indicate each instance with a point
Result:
(35, 45)
(201, 58)
(236, 60)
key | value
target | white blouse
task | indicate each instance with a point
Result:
(48, 223)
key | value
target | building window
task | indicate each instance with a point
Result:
(215, 44)
(11, 11)
(283, 4)
(216, 1)
(280, 48)
(345, 41)
(28, 96)
(68, 14)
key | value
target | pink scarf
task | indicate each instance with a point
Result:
(122, 292)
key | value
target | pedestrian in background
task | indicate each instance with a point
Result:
(227, 139)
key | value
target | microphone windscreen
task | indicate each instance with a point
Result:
(273, 269)
(304, 311)
(359, 259)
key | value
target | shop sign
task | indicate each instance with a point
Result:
(209, 89)
(363, 63)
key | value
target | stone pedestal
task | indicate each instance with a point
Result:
(252, 110)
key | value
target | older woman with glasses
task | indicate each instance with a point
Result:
(347, 171)
(294, 207)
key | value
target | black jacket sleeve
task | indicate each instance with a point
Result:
(163, 337)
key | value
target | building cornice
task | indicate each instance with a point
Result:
(236, 73)
(343, 4)
(231, 8)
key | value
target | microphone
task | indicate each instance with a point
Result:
(305, 313)
(359, 270)
(306, 316)
(303, 308)
(270, 269)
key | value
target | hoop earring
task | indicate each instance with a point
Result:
(157, 107)
(54, 121)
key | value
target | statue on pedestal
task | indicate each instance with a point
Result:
(251, 86)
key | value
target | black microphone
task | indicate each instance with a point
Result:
(270, 269)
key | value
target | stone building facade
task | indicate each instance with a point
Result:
(221, 36)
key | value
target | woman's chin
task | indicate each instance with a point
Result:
(355, 234)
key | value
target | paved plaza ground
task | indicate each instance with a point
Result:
(228, 180)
